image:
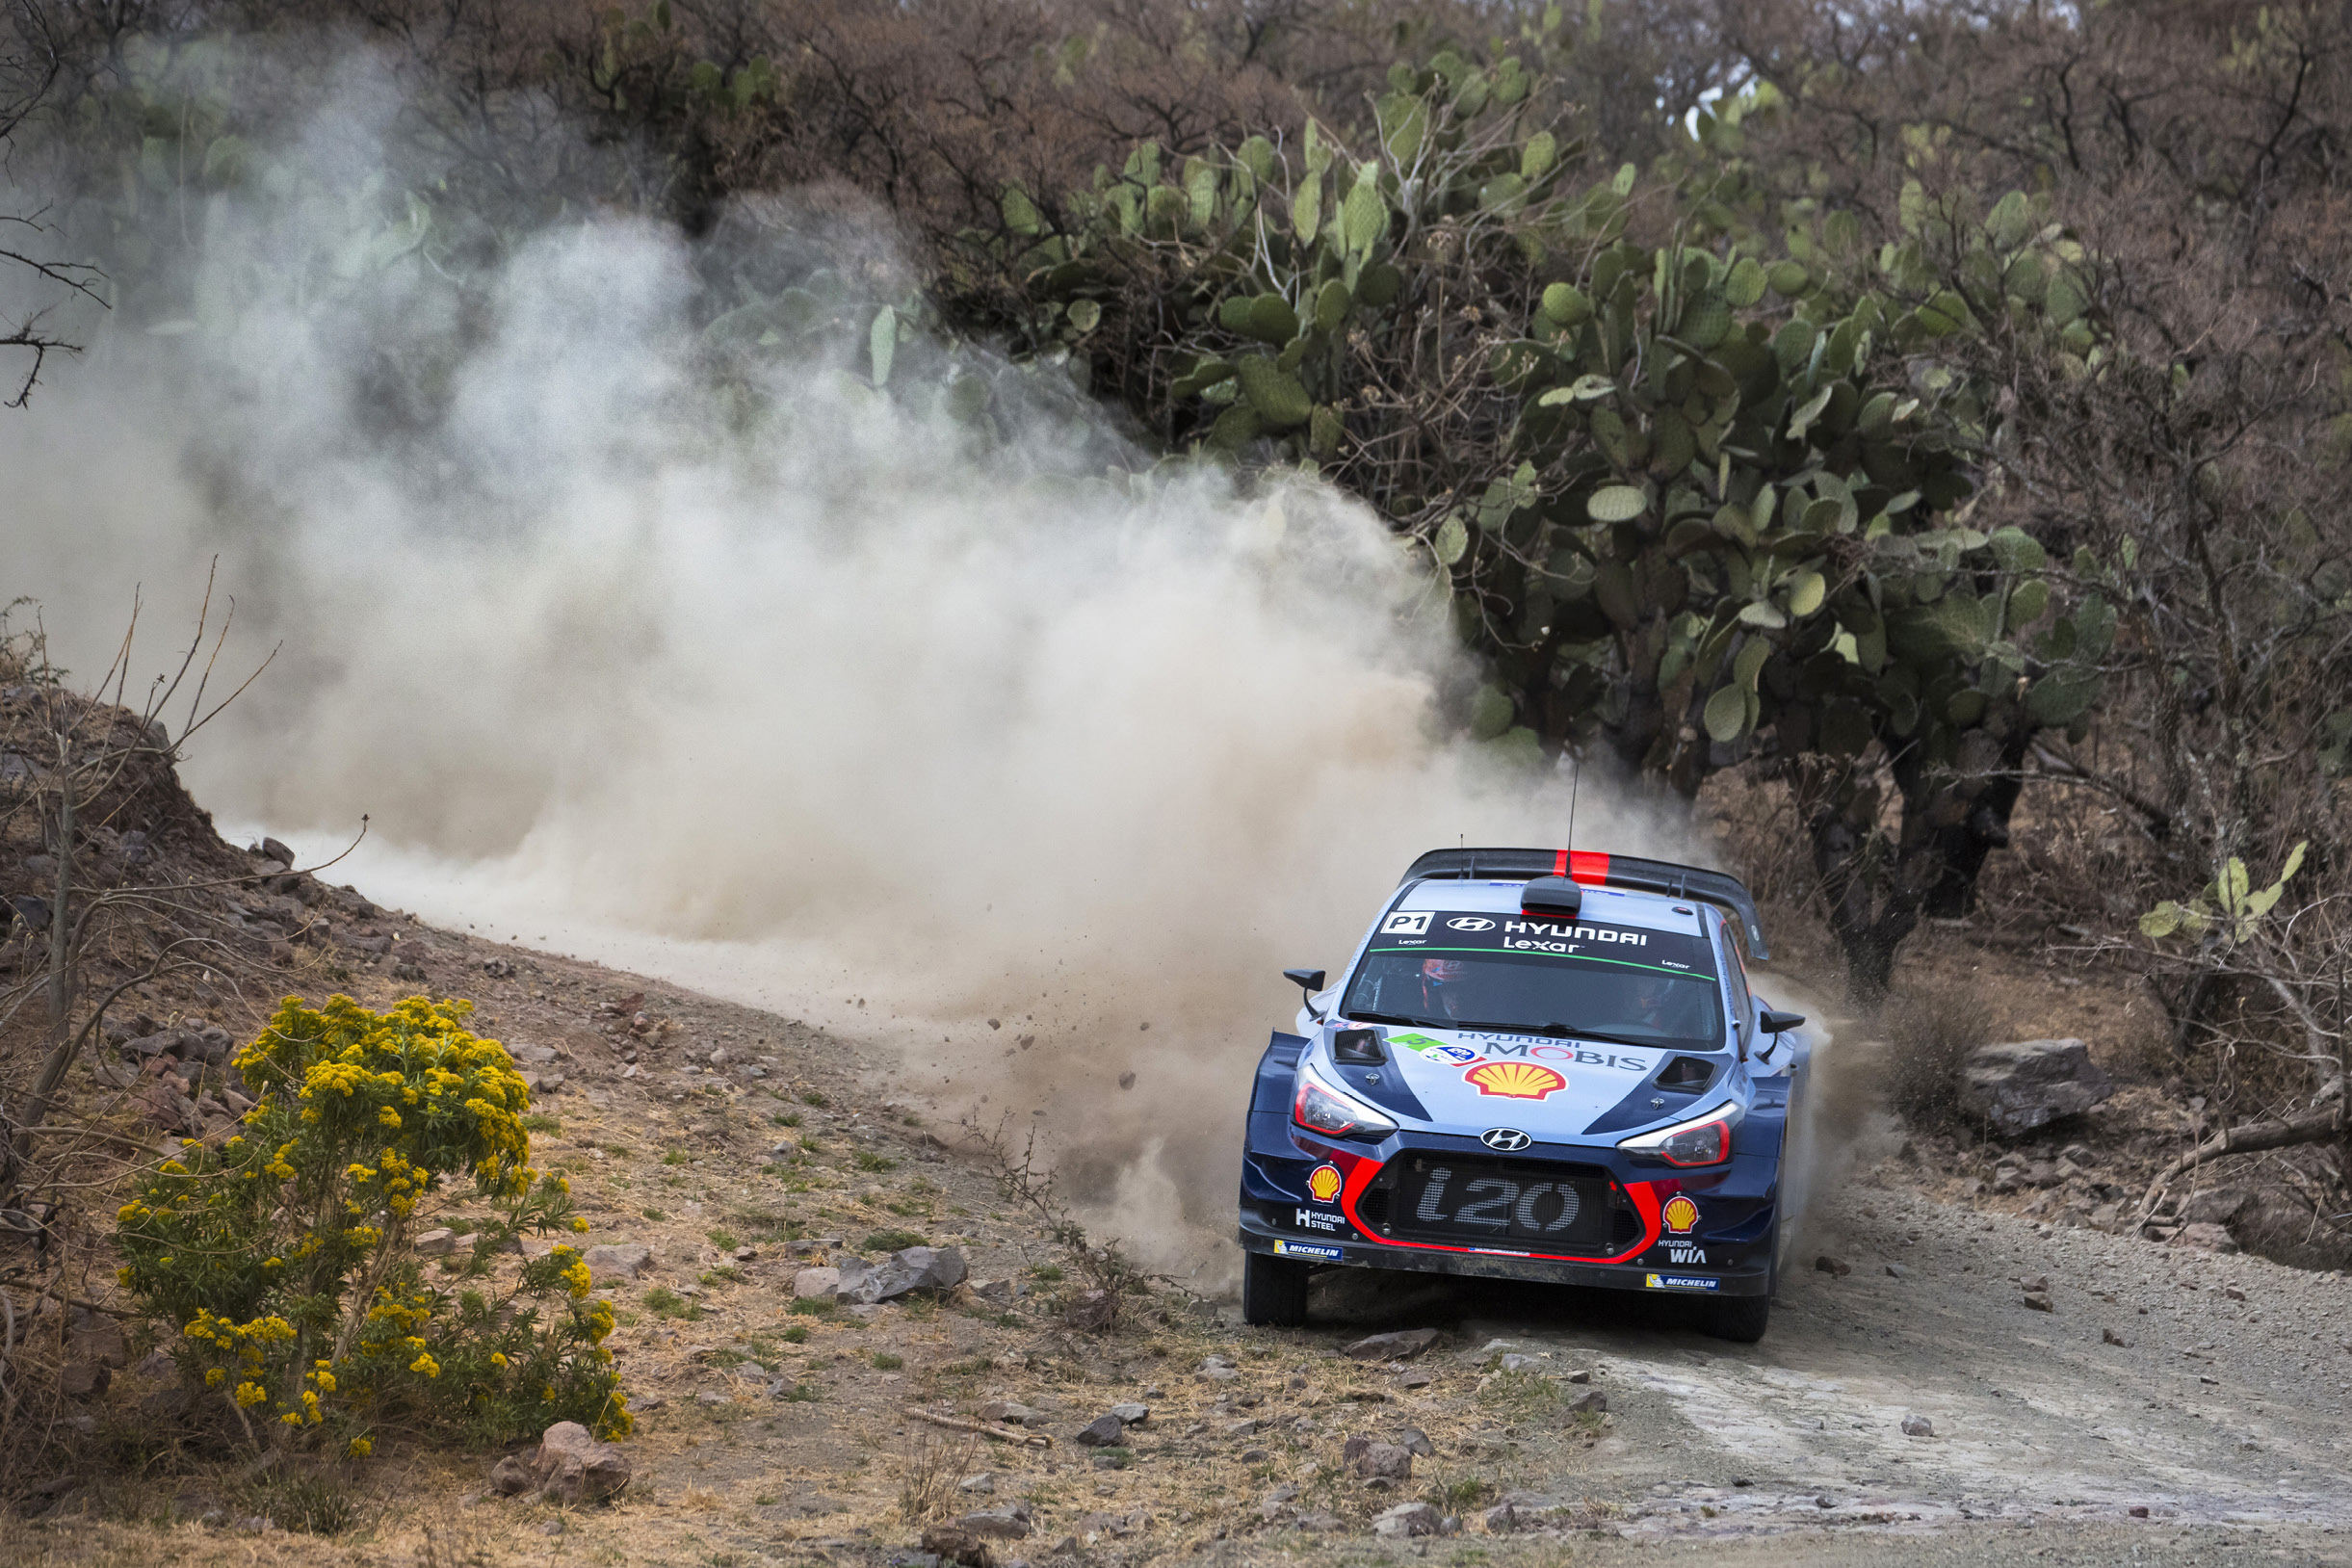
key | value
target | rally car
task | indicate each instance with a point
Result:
(1541, 1065)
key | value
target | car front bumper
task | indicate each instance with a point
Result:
(1726, 1226)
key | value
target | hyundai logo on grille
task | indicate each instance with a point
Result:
(1505, 1138)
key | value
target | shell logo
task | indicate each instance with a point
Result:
(1678, 1214)
(1323, 1183)
(1515, 1080)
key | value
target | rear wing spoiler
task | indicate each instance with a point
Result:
(1597, 870)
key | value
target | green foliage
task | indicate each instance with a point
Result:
(890, 1242)
(280, 1261)
(1731, 494)
(2231, 906)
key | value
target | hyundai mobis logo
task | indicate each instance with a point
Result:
(1508, 1139)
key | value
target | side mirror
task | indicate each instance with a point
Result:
(1308, 981)
(1773, 1022)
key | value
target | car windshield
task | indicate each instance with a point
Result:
(1449, 980)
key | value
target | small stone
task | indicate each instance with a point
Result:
(1402, 1346)
(84, 1380)
(438, 1243)
(953, 1543)
(1827, 1265)
(1011, 1523)
(2108, 1336)
(2138, 1510)
(2039, 1303)
(1407, 1518)
(1919, 1426)
(1515, 1362)
(2034, 1285)
(1243, 1428)
(1415, 1378)
(984, 1482)
(511, 1477)
(1579, 1377)
(1102, 1432)
(1413, 1440)
(1896, 1270)
(1366, 1458)
(1133, 1415)
(1593, 1402)
(1010, 1413)
(2234, 1293)
(621, 1260)
(1253, 1456)
(816, 1284)
(712, 1397)
(574, 1468)
(1217, 1370)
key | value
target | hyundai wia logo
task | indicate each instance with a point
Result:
(1508, 1139)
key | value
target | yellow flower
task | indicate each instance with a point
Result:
(214, 1377)
(388, 1116)
(361, 1448)
(292, 1417)
(249, 1394)
(498, 1358)
(426, 1365)
(580, 1225)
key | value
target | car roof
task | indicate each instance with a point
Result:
(1601, 905)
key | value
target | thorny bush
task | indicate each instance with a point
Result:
(283, 1259)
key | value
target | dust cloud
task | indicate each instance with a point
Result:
(1024, 760)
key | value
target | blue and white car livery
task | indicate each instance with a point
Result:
(1540, 1065)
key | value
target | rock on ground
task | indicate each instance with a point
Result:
(1402, 1346)
(1366, 1458)
(619, 1259)
(571, 1465)
(1407, 1518)
(2024, 1084)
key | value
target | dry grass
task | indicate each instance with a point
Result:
(1930, 1029)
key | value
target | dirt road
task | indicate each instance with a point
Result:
(771, 1434)
(2216, 1423)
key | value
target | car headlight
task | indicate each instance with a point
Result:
(1320, 1108)
(1704, 1139)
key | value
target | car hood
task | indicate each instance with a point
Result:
(1540, 1083)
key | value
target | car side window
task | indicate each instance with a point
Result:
(1743, 1007)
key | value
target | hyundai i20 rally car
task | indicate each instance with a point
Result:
(1538, 1066)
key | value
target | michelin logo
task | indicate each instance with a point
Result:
(1304, 1250)
(1672, 1282)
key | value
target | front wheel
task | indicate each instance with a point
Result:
(1275, 1292)
(1739, 1319)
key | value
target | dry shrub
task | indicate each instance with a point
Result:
(1930, 1030)
(935, 1464)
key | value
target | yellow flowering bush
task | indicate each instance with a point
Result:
(283, 1259)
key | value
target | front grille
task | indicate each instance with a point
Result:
(1529, 1205)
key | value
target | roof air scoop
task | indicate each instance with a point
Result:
(1559, 897)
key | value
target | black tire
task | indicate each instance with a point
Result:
(1739, 1319)
(1273, 1291)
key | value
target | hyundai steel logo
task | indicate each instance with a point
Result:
(1506, 1138)
(1472, 923)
